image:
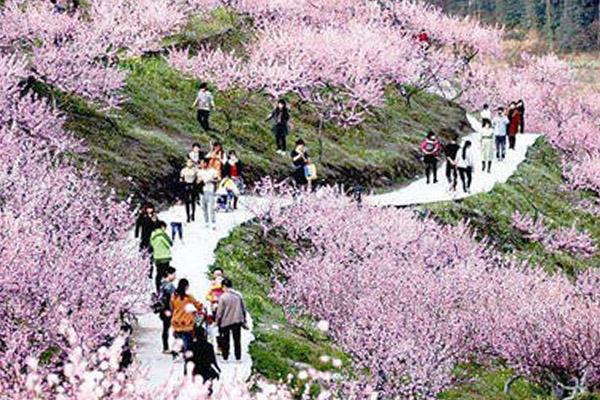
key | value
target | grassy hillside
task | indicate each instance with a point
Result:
(140, 148)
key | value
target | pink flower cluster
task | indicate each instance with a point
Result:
(408, 299)
(63, 250)
(77, 50)
(340, 56)
(569, 240)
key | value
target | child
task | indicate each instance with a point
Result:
(227, 192)
(178, 216)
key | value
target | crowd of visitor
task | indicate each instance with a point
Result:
(460, 160)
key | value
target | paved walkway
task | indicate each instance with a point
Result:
(191, 259)
(419, 192)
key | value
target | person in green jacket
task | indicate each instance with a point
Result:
(161, 251)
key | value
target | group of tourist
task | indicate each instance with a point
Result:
(198, 327)
(507, 122)
(304, 170)
(212, 180)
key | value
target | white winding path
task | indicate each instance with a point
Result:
(192, 258)
(419, 192)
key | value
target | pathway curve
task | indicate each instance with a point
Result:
(191, 259)
(419, 192)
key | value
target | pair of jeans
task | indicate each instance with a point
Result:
(186, 338)
(176, 228)
(466, 176)
(189, 192)
(451, 174)
(500, 147)
(208, 206)
(166, 325)
(203, 116)
(430, 167)
(225, 333)
(161, 272)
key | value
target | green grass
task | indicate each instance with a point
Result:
(280, 347)
(537, 189)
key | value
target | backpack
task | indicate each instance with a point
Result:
(160, 301)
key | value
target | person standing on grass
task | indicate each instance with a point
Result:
(204, 104)
(486, 114)
(184, 308)
(231, 318)
(451, 151)
(145, 225)
(465, 166)
(514, 124)
(487, 146)
(521, 109)
(500, 129)
(208, 176)
(280, 118)
(165, 292)
(430, 148)
(188, 177)
(300, 159)
(161, 251)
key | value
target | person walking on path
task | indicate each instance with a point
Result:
(486, 114)
(521, 109)
(216, 158)
(208, 176)
(145, 225)
(195, 155)
(164, 295)
(189, 177)
(430, 148)
(202, 356)
(231, 318)
(161, 251)
(500, 130)
(280, 117)
(487, 146)
(451, 151)
(179, 216)
(300, 159)
(204, 104)
(465, 166)
(514, 124)
(185, 308)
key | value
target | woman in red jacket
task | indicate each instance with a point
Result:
(514, 117)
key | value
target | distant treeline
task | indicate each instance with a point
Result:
(564, 24)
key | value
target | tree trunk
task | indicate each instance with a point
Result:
(320, 136)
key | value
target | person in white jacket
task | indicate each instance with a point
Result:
(465, 166)
(487, 146)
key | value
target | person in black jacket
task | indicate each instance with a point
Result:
(202, 355)
(280, 118)
(521, 108)
(300, 159)
(145, 224)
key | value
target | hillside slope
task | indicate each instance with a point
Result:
(140, 148)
